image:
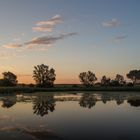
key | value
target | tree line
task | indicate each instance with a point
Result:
(89, 78)
(45, 77)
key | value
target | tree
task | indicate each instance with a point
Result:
(44, 76)
(120, 79)
(87, 78)
(9, 79)
(134, 75)
(105, 81)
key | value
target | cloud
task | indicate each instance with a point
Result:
(48, 25)
(119, 38)
(113, 23)
(12, 46)
(37, 44)
(48, 40)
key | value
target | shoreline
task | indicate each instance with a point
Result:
(63, 89)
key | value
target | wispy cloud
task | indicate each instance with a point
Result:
(48, 25)
(119, 38)
(37, 43)
(48, 40)
(113, 23)
(12, 46)
(43, 42)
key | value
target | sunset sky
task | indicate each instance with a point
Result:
(70, 36)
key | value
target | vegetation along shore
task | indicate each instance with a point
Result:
(45, 77)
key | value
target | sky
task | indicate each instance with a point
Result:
(71, 36)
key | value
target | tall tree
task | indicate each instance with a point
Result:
(134, 75)
(120, 79)
(105, 81)
(9, 79)
(87, 78)
(44, 76)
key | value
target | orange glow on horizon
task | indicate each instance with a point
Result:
(28, 79)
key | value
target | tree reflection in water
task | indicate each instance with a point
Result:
(134, 102)
(105, 97)
(119, 99)
(8, 102)
(87, 100)
(43, 104)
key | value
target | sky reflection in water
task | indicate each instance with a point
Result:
(111, 115)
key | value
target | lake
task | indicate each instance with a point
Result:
(70, 116)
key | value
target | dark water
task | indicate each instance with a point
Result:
(70, 116)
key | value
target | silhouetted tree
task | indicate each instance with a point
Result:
(120, 79)
(105, 81)
(87, 78)
(43, 104)
(44, 76)
(9, 79)
(87, 100)
(114, 83)
(134, 75)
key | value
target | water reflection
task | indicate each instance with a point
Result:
(88, 100)
(105, 98)
(119, 99)
(69, 119)
(23, 132)
(134, 102)
(8, 102)
(43, 104)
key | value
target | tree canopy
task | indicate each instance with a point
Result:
(9, 79)
(134, 75)
(120, 79)
(105, 81)
(43, 76)
(87, 78)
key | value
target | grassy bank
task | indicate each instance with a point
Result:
(65, 88)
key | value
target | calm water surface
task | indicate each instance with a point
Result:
(70, 116)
